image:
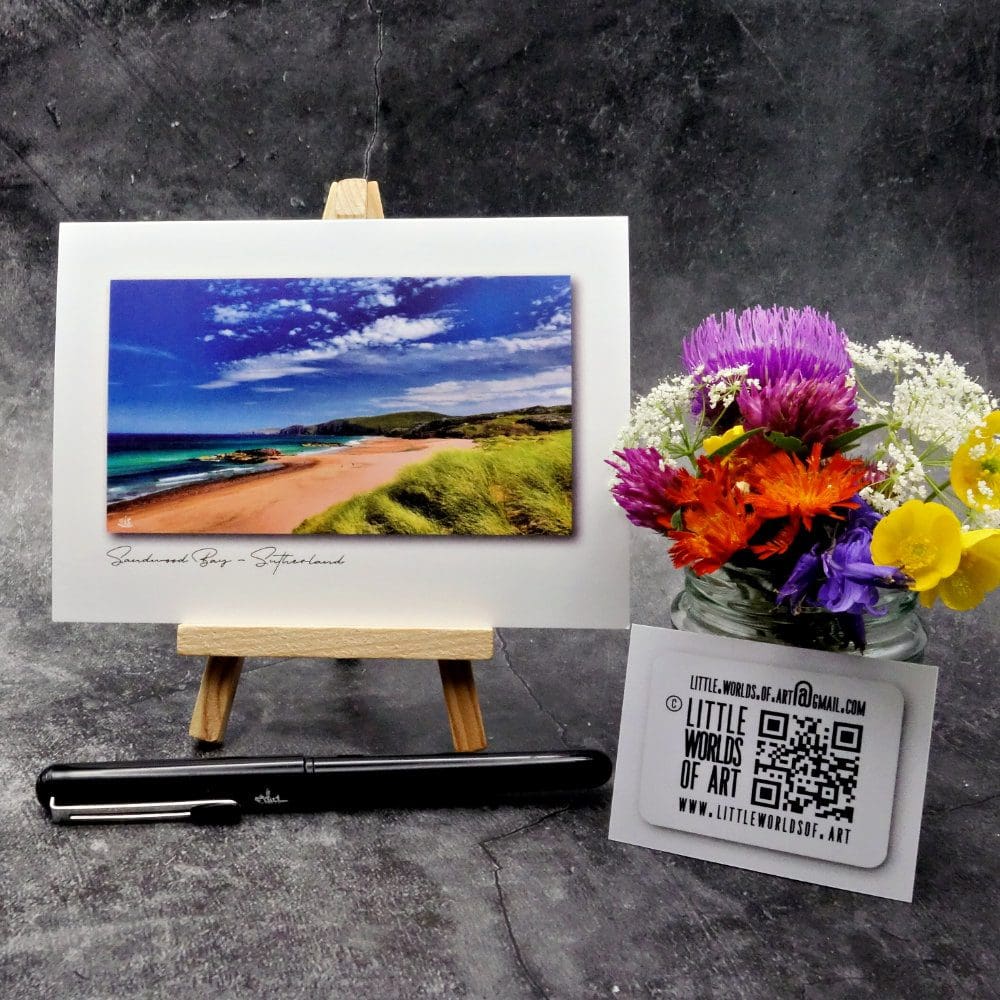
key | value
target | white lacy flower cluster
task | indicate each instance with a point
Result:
(660, 418)
(906, 477)
(934, 399)
(986, 516)
(934, 405)
(724, 385)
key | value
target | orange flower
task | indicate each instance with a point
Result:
(748, 456)
(712, 480)
(718, 520)
(713, 534)
(787, 487)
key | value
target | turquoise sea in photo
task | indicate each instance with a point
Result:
(143, 464)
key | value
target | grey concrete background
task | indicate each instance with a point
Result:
(837, 153)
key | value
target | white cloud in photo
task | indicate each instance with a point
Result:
(239, 313)
(143, 351)
(442, 282)
(380, 300)
(393, 329)
(387, 331)
(559, 320)
(537, 348)
(338, 286)
(546, 388)
(496, 348)
(257, 370)
(559, 297)
(519, 342)
(244, 312)
(272, 388)
(242, 302)
(228, 334)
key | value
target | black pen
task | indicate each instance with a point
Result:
(219, 790)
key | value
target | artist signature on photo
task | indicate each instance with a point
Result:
(266, 557)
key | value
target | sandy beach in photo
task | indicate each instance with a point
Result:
(274, 503)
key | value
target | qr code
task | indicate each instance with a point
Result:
(804, 765)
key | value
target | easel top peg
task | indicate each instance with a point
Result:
(353, 198)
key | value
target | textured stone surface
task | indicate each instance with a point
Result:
(836, 153)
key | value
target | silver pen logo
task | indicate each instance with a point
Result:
(267, 799)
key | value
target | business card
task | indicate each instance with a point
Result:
(792, 762)
(779, 758)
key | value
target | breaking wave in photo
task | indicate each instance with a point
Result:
(141, 465)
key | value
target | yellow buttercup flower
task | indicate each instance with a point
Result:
(923, 539)
(975, 469)
(978, 573)
(716, 441)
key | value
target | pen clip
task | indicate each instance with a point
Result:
(202, 811)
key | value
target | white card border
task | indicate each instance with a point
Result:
(581, 582)
(918, 685)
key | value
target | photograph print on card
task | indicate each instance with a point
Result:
(349, 406)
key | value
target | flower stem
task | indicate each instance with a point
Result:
(937, 489)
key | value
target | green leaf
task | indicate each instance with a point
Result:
(731, 446)
(846, 440)
(786, 442)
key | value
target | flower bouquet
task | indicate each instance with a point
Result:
(814, 487)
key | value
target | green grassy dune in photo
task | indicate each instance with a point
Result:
(506, 486)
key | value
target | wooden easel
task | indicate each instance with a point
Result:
(226, 647)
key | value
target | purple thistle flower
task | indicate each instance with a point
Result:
(807, 408)
(641, 485)
(799, 362)
(773, 342)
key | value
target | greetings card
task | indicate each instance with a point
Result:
(354, 423)
(788, 761)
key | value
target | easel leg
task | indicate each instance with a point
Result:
(462, 702)
(215, 698)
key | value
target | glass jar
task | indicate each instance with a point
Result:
(740, 602)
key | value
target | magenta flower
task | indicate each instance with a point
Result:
(813, 410)
(641, 486)
(797, 363)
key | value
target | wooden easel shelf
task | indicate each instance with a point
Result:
(341, 643)
(227, 647)
(454, 649)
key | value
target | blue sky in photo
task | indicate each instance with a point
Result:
(237, 355)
